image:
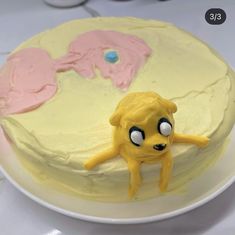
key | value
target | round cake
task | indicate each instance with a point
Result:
(59, 89)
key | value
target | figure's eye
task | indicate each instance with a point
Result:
(164, 127)
(136, 135)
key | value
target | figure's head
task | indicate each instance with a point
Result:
(144, 123)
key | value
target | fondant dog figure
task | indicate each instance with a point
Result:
(143, 133)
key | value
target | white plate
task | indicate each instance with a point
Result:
(201, 190)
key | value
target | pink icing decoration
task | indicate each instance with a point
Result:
(26, 81)
(86, 53)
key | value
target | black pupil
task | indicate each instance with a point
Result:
(135, 128)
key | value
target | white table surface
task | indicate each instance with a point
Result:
(21, 19)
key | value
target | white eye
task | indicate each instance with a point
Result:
(136, 135)
(164, 127)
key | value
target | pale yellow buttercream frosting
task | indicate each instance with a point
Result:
(58, 137)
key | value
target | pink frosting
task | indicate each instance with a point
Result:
(26, 81)
(86, 53)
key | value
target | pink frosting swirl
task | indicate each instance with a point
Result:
(86, 53)
(26, 81)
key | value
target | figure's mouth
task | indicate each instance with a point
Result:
(159, 147)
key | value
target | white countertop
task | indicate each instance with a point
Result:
(21, 19)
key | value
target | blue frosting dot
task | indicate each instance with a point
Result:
(111, 56)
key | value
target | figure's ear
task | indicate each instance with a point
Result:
(170, 105)
(115, 118)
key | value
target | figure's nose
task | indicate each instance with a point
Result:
(159, 147)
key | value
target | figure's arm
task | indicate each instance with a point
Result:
(101, 157)
(135, 178)
(200, 141)
(167, 165)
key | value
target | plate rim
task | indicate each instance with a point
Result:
(105, 220)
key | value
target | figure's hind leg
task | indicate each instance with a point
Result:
(167, 165)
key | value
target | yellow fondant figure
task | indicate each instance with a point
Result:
(143, 133)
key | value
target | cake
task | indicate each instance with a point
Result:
(59, 89)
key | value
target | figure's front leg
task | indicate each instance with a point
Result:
(167, 165)
(200, 141)
(135, 178)
(101, 157)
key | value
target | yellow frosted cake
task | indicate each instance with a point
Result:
(59, 91)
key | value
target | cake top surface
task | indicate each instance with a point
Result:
(174, 64)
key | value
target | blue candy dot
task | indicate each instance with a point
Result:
(111, 56)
